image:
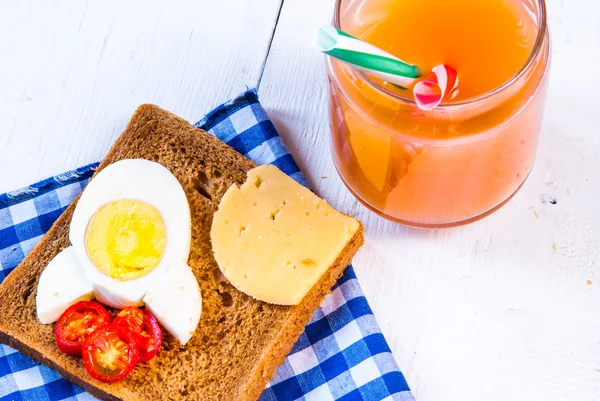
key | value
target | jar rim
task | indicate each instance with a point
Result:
(537, 48)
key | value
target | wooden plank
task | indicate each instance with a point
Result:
(504, 309)
(72, 72)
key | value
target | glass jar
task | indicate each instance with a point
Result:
(446, 167)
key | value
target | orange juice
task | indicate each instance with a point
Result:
(464, 159)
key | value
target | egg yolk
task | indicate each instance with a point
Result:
(125, 239)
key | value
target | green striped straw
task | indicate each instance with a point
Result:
(365, 57)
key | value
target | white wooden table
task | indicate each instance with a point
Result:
(504, 309)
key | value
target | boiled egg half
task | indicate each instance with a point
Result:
(130, 236)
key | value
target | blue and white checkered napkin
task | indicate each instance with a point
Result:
(341, 355)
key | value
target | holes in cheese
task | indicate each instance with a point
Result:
(273, 239)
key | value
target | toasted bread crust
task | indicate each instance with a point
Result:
(239, 343)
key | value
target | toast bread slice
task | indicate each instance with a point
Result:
(239, 343)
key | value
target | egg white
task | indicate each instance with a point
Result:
(164, 300)
(62, 284)
(145, 181)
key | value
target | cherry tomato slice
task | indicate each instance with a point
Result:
(145, 329)
(110, 354)
(77, 323)
(149, 338)
(131, 318)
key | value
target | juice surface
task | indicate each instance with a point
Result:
(487, 41)
(443, 167)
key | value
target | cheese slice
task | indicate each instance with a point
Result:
(273, 239)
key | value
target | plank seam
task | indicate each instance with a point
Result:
(264, 64)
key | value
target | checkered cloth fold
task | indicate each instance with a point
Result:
(341, 355)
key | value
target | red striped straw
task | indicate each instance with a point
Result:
(430, 92)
